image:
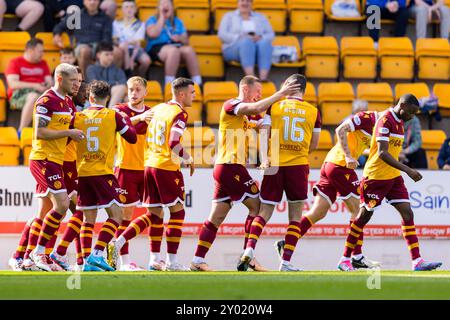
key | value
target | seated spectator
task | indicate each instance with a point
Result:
(67, 56)
(167, 42)
(28, 77)
(392, 10)
(30, 11)
(425, 10)
(97, 27)
(444, 155)
(128, 34)
(412, 154)
(107, 71)
(247, 37)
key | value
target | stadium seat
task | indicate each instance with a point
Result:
(268, 89)
(3, 99)
(331, 17)
(396, 58)
(335, 101)
(12, 44)
(51, 52)
(193, 13)
(209, 55)
(154, 93)
(200, 141)
(219, 8)
(146, 9)
(419, 89)
(310, 94)
(215, 94)
(442, 91)
(359, 58)
(289, 41)
(275, 12)
(433, 59)
(26, 137)
(9, 147)
(306, 16)
(378, 95)
(195, 111)
(321, 57)
(432, 141)
(317, 157)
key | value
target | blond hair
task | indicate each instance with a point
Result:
(137, 79)
(65, 69)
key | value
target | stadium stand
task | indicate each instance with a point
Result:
(305, 16)
(12, 44)
(25, 144)
(289, 41)
(310, 93)
(335, 101)
(321, 57)
(146, 9)
(209, 55)
(268, 89)
(433, 59)
(154, 93)
(3, 102)
(317, 157)
(396, 57)
(442, 91)
(215, 94)
(359, 58)
(9, 146)
(431, 142)
(193, 13)
(419, 89)
(51, 52)
(275, 11)
(378, 95)
(219, 8)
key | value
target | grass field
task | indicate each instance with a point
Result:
(225, 285)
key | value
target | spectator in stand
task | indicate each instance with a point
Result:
(424, 11)
(247, 37)
(412, 154)
(29, 11)
(67, 56)
(107, 71)
(167, 42)
(392, 10)
(444, 155)
(128, 33)
(28, 76)
(96, 27)
(109, 7)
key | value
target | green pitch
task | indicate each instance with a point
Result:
(226, 285)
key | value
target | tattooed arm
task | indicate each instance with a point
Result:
(44, 133)
(341, 133)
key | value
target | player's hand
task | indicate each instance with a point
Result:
(414, 174)
(288, 88)
(76, 135)
(351, 163)
(147, 116)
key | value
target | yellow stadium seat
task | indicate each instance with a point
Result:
(268, 89)
(9, 146)
(26, 138)
(418, 89)
(219, 8)
(310, 94)
(51, 52)
(317, 157)
(154, 93)
(331, 17)
(335, 101)
(146, 9)
(432, 141)
(215, 94)
(193, 13)
(3, 99)
(195, 111)
(378, 95)
(290, 41)
(433, 59)
(306, 16)
(209, 55)
(359, 58)
(442, 91)
(321, 57)
(12, 44)
(275, 12)
(396, 58)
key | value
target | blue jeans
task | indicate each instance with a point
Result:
(247, 51)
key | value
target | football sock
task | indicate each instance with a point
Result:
(206, 238)
(87, 229)
(34, 236)
(72, 231)
(136, 227)
(51, 244)
(50, 225)
(356, 228)
(172, 258)
(155, 233)
(120, 230)
(410, 235)
(291, 239)
(247, 227)
(23, 243)
(305, 224)
(79, 250)
(358, 248)
(106, 234)
(255, 231)
(174, 231)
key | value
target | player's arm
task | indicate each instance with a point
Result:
(125, 128)
(252, 108)
(45, 133)
(176, 132)
(341, 133)
(316, 133)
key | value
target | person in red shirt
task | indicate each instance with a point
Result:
(28, 76)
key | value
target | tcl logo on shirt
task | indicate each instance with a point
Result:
(24, 71)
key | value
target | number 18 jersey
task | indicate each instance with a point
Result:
(293, 122)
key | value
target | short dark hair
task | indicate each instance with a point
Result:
(409, 99)
(104, 46)
(249, 80)
(33, 42)
(78, 69)
(99, 89)
(299, 79)
(66, 50)
(181, 83)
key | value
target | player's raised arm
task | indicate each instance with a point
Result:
(125, 128)
(341, 133)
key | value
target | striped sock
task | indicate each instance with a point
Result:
(106, 234)
(120, 230)
(136, 226)
(50, 225)
(359, 243)
(410, 235)
(79, 250)
(51, 244)
(247, 227)
(87, 229)
(255, 231)
(155, 233)
(291, 239)
(206, 238)
(356, 228)
(71, 232)
(305, 224)
(23, 243)
(174, 231)
(34, 236)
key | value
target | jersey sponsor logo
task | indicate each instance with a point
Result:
(357, 120)
(355, 183)
(54, 177)
(383, 130)
(41, 109)
(249, 183)
(373, 196)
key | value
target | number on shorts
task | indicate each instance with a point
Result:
(92, 142)
(292, 131)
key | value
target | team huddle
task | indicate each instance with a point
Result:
(116, 159)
